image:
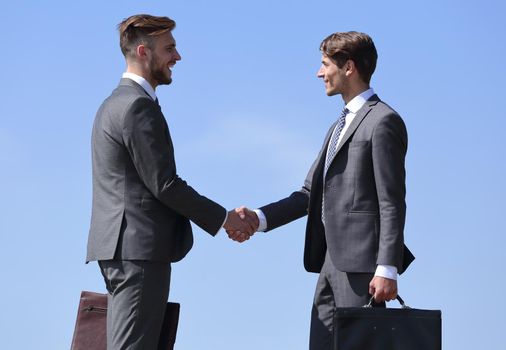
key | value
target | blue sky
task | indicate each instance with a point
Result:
(248, 116)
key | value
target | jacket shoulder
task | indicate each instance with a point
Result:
(116, 106)
(125, 95)
(382, 108)
(381, 113)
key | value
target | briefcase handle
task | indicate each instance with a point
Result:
(399, 299)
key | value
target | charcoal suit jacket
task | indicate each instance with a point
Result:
(364, 189)
(141, 207)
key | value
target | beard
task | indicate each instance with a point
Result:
(159, 72)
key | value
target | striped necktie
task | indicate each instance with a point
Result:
(331, 152)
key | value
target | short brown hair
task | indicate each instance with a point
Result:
(140, 29)
(355, 46)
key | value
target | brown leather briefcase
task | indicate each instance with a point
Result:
(90, 329)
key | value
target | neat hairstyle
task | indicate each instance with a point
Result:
(140, 29)
(355, 46)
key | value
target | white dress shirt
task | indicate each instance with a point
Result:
(387, 271)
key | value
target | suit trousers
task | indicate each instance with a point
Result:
(335, 289)
(137, 296)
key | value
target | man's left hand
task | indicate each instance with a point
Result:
(383, 289)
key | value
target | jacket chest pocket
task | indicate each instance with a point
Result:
(359, 156)
(356, 147)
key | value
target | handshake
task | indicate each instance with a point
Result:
(241, 224)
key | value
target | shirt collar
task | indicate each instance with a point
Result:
(358, 101)
(142, 82)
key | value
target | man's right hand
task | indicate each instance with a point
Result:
(383, 289)
(241, 224)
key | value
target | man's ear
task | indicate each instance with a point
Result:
(350, 67)
(141, 51)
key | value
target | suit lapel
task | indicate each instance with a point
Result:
(317, 177)
(327, 139)
(361, 114)
(323, 157)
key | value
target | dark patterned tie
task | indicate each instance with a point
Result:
(332, 151)
(335, 137)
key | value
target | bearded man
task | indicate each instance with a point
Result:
(141, 208)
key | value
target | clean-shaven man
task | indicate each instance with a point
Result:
(141, 207)
(354, 193)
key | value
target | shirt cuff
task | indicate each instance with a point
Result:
(262, 226)
(226, 217)
(386, 271)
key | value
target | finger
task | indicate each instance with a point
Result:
(250, 214)
(249, 231)
(372, 289)
(243, 237)
(247, 228)
(241, 212)
(379, 296)
(252, 225)
(253, 218)
(235, 235)
(248, 220)
(232, 237)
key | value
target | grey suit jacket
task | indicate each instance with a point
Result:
(141, 206)
(364, 190)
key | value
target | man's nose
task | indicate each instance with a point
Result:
(320, 73)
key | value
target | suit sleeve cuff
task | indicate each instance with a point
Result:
(386, 271)
(262, 226)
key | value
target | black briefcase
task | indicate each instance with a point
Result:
(90, 329)
(375, 328)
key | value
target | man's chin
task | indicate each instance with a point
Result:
(162, 77)
(165, 81)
